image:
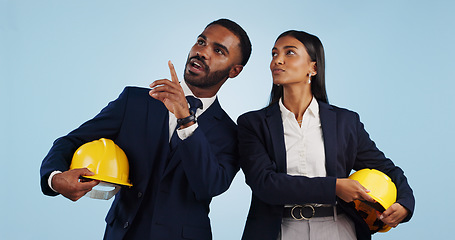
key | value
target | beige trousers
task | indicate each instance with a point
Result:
(339, 227)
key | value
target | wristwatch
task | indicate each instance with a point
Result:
(184, 121)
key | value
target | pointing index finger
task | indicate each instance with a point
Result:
(174, 77)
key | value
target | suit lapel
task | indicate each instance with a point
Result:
(329, 133)
(205, 122)
(275, 125)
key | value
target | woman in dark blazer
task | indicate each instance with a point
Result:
(298, 152)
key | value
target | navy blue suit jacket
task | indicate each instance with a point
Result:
(176, 191)
(263, 160)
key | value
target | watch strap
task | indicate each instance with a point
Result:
(184, 121)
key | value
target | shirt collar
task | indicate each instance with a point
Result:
(206, 102)
(285, 113)
(313, 108)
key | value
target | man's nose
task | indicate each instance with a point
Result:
(203, 53)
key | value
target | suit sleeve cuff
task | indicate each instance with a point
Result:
(186, 132)
(49, 180)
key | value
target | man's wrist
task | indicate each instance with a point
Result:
(187, 121)
(49, 180)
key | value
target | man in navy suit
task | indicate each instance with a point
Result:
(174, 174)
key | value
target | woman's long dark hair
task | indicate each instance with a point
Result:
(315, 49)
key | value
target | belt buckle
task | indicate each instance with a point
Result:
(300, 210)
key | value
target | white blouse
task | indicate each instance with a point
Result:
(304, 144)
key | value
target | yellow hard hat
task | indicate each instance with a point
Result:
(106, 160)
(382, 190)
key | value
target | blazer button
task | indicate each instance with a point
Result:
(139, 195)
(126, 225)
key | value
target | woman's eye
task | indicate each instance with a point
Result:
(290, 52)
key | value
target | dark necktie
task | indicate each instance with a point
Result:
(195, 103)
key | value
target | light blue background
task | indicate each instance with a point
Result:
(62, 61)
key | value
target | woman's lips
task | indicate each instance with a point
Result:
(277, 71)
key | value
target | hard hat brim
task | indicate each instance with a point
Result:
(109, 180)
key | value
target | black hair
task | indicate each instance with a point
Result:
(245, 44)
(315, 50)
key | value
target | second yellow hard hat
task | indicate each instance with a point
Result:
(382, 190)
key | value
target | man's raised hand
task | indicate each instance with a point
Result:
(171, 94)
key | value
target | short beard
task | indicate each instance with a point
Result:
(208, 81)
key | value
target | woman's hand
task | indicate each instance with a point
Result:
(394, 215)
(350, 190)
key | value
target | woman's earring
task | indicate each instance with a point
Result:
(309, 78)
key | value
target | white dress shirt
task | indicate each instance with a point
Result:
(304, 144)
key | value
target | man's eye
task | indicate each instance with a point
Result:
(274, 54)
(219, 51)
(200, 42)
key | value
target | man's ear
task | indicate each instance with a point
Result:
(235, 70)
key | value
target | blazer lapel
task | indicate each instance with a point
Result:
(275, 126)
(205, 122)
(329, 133)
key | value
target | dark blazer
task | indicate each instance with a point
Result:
(175, 192)
(263, 160)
